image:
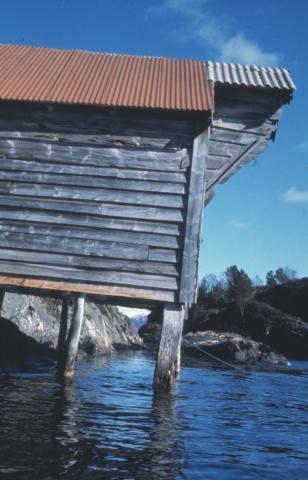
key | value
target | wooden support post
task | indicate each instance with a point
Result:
(169, 351)
(2, 294)
(63, 329)
(71, 346)
(192, 239)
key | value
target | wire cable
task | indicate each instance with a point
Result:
(214, 357)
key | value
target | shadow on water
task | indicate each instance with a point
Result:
(116, 443)
(107, 424)
(96, 429)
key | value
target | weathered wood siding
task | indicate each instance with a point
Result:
(192, 237)
(244, 122)
(93, 196)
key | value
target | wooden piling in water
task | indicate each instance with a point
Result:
(2, 294)
(71, 344)
(63, 328)
(169, 351)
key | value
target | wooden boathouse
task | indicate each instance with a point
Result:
(106, 163)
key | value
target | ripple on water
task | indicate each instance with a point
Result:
(217, 423)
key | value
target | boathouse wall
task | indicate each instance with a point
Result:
(106, 200)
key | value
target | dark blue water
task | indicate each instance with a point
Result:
(217, 424)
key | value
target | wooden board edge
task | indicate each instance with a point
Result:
(194, 215)
(20, 283)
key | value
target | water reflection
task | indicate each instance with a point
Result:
(87, 430)
(168, 449)
(124, 443)
(107, 424)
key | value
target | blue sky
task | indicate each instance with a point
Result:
(259, 218)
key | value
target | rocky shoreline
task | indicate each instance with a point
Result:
(231, 347)
(264, 335)
(29, 329)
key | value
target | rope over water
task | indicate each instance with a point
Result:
(215, 358)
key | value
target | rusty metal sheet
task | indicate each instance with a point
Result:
(79, 77)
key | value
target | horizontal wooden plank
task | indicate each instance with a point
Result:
(167, 143)
(74, 274)
(218, 161)
(94, 248)
(117, 301)
(56, 259)
(217, 147)
(107, 157)
(237, 136)
(90, 194)
(22, 283)
(149, 239)
(88, 221)
(215, 163)
(163, 255)
(104, 209)
(248, 155)
(114, 177)
(254, 126)
(89, 121)
(269, 99)
(233, 107)
(93, 183)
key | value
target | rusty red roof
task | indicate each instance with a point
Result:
(79, 77)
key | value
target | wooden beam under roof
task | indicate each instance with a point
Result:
(243, 124)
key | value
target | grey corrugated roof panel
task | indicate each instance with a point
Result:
(249, 75)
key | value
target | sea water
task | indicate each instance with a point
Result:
(217, 423)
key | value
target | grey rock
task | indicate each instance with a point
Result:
(104, 327)
(261, 322)
(232, 348)
(20, 352)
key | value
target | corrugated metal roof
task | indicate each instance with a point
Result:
(249, 75)
(78, 77)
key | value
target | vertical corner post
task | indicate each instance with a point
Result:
(194, 213)
(71, 344)
(169, 351)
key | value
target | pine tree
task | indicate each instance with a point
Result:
(284, 274)
(211, 292)
(239, 287)
(271, 279)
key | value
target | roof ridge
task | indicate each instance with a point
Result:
(95, 52)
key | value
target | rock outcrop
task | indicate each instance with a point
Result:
(104, 327)
(20, 352)
(231, 347)
(278, 331)
(262, 323)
